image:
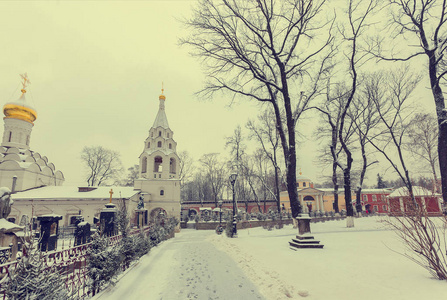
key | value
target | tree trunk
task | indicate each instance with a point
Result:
(278, 200)
(335, 182)
(441, 114)
(291, 184)
(348, 196)
(442, 152)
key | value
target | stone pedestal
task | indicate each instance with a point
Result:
(303, 223)
(107, 219)
(304, 239)
(49, 231)
(141, 217)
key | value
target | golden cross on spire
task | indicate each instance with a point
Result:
(162, 88)
(25, 82)
(300, 172)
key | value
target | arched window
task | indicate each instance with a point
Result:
(27, 140)
(148, 145)
(144, 165)
(172, 165)
(162, 192)
(159, 133)
(304, 184)
(159, 144)
(170, 146)
(309, 198)
(152, 134)
(157, 164)
(168, 135)
(10, 136)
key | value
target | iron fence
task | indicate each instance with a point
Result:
(71, 263)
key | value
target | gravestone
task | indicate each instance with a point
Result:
(49, 231)
(108, 226)
(82, 233)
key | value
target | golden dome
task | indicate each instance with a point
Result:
(20, 110)
(162, 97)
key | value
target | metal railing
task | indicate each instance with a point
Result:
(71, 263)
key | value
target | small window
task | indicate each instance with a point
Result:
(159, 144)
(155, 175)
(365, 198)
(159, 175)
(298, 184)
(152, 134)
(148, 145)
(374, 197)
(384, 207)
(27, 140)
(375, 207)
(162, 192)
(10, 136)
(168, 135)
(170, 146)
(159, 133)
(304, 184)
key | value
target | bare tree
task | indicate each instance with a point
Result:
(357, 22)
(423, 141)
(266, 134)
(365, 117)
(185, 166)
(102, 164)
(215, 172)
(332, 110)
(420, 24)
(390, 93)
(274, 52)
(133, 173)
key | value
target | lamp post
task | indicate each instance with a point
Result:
(220, 202)
(233, 178)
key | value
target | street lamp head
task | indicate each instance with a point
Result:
(220, 202)
(233, 178)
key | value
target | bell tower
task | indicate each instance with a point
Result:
(158, 169)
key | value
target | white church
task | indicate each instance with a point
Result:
(38, 187)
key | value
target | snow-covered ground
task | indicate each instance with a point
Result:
(356, 263)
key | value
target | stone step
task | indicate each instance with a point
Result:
(306, 241)
(305, 237)
(301, 246)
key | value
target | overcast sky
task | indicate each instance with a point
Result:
(96, 70)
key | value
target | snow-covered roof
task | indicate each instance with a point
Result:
(72, 192)
(377, 191)
(161, 120)
(6, 226)
(417, 191)
(303, 178)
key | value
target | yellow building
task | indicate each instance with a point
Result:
(313, 199)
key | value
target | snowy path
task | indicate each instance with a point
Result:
(186, 267)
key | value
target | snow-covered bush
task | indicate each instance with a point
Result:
(103, 263)
(32, 280)
(142, 245)
(261, 216)
(127, 248)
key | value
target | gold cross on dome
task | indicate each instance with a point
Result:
(162, 87)
(25, 82)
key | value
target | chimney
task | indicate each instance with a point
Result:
(14, 182)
